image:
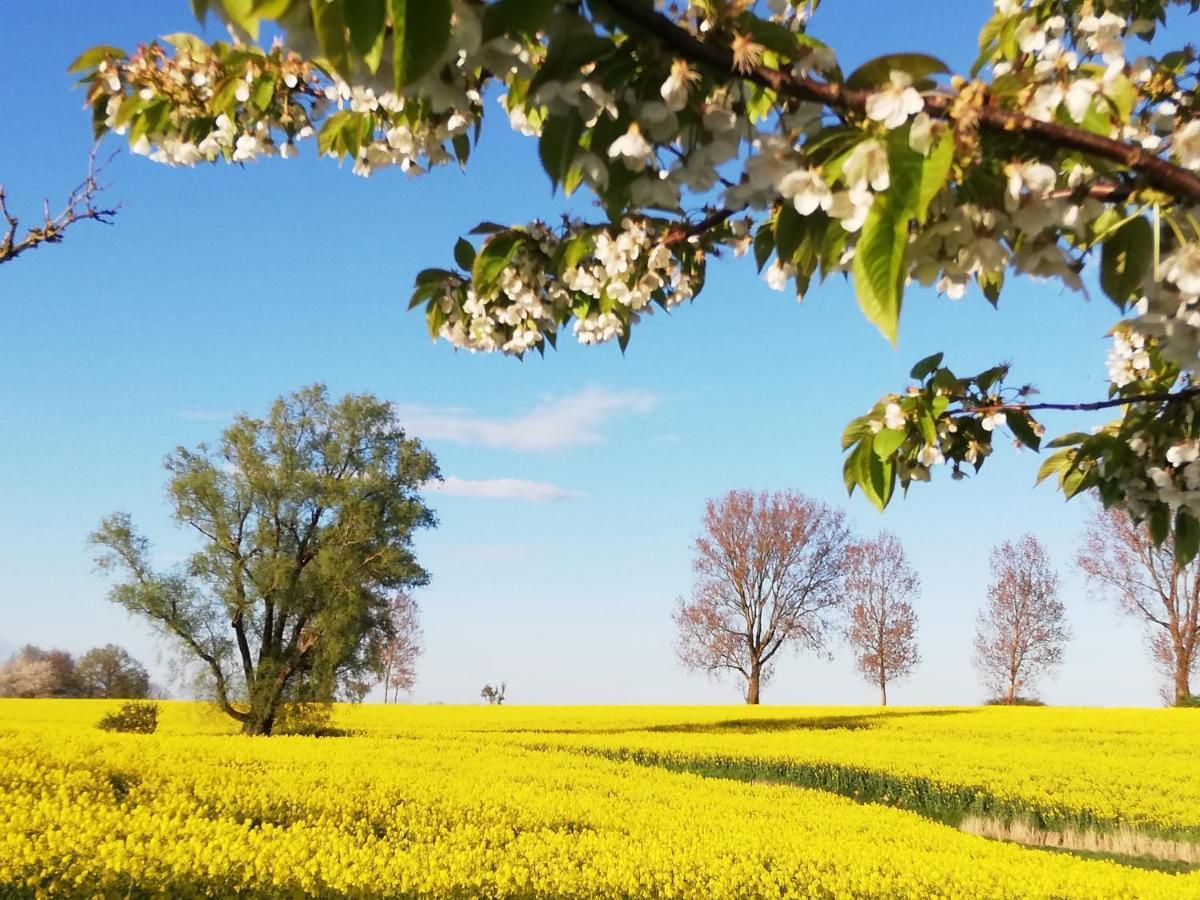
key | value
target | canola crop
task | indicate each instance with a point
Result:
(512, 802)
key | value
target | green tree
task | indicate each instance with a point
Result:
(109, 672)
(307, 519)
(727, 127)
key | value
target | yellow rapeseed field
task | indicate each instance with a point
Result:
(581, 802)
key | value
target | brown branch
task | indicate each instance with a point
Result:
(80, 206)
(1175, 180)
(1157, 397)
(681, 231)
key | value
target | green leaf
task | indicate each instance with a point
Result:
(572, 252)
(764, 243)
(420, 33)
(514, 17)
(879, 265)
(864, 469)
(1187, 537)
(1056, 462)
(935, 170)
(366, 20)
(926, 367)
(1069, 440)
(566, 55)
(850, 469)
(263, 92)
(1022, 426)
(928, 428)
(496, 254)
(880, 480)
(1159, 522)
(789, 232)
(1125, 260)
(878, 70)
(559, 143)
(879, 258)
(93, 56)
(464, 254)
(855, 431)
(887, 440)
(329, 23)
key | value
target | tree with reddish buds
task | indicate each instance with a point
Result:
(1022, 630)
(769, 570)
(882, 627)
(1119, 557)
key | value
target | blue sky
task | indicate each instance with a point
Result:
(218, 289)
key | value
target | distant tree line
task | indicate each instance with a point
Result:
(107, 672)
(777, 572)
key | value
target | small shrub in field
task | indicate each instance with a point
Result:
(132, 718)
(1016, 701)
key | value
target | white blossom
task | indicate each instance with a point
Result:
(894, 103)
(866, 165)
(807, 190)
(632, 149)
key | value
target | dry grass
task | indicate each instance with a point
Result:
(1118, 842)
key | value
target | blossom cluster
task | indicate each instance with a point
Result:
(605, 278)
(240, 105)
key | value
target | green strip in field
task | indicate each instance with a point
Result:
(950, 804)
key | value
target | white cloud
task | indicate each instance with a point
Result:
(501, 489)
(553, 425)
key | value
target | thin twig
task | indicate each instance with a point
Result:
(80, 206)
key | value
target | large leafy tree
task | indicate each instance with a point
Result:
(727, 127)
(306, 518)
(109, 672)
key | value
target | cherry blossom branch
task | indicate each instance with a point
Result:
(1175, 180)
(80, 205)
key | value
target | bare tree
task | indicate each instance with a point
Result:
(1021, 631)
(399, 658)
(1146, 582)
(768, 575)
(882, 627)
(80, 205)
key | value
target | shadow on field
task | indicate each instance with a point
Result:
(748, 725)
(848, 722)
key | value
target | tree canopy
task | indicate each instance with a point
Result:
(306, 519)
(727, 127)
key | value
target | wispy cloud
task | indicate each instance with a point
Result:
(502, 489)
(203, 415)
(553, 425)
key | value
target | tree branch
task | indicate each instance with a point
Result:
(80, 205)
(1158, 397)
(1175, 180)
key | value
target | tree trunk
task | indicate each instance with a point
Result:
(1183, 690)
(1012, 693)
(264, 705)
(752, 686)
(260, 721)
(883, 692)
